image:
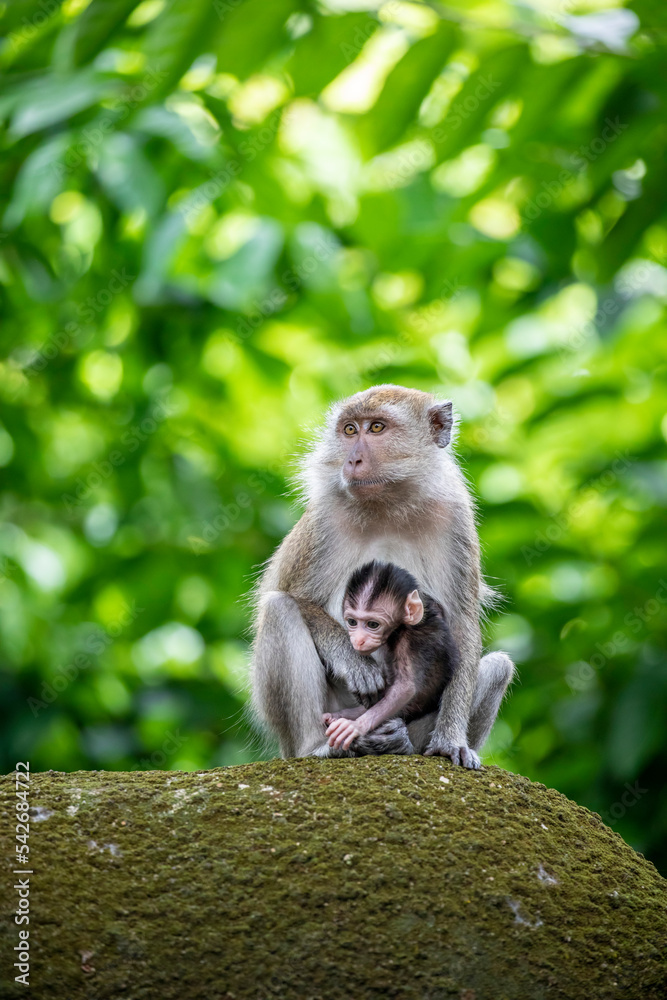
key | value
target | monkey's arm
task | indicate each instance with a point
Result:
(450, 736)
(342, 732)
(362, 675)
(299, 568)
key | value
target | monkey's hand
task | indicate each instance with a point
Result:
(458, 754)
(342, 732)
(365, 679)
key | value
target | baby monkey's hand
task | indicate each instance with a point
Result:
(342, 732)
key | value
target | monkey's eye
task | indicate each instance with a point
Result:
(349, 429)
(373, 625)
(376, 427)
(352, 622)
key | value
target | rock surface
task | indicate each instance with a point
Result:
(324, 879)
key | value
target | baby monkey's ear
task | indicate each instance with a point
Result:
(414, 609)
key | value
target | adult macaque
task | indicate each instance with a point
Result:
(382, 485)
(383, 609)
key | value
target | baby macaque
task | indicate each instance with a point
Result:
(383, 607)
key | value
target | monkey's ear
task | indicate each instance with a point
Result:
(414, 609)
(441, 420)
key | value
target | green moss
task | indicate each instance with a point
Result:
(375, 877)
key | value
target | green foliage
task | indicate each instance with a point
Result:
(217, 218)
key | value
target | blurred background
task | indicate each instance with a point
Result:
(218, 217)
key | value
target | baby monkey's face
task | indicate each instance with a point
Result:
(370, 625)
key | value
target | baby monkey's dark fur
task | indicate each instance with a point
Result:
(428, 646)
(382, 607)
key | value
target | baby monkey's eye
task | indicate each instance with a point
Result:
(373, 625)
(352, 622)
(349, 429)
(376, 427)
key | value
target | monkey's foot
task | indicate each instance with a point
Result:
(329, 717)
(324, 750)
(463, 755)
(345, 713)
(390, 737)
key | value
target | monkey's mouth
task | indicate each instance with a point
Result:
(366, 482)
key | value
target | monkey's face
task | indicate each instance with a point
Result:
(381, 446)
(385, 436)
(377, 451)
(370, 627)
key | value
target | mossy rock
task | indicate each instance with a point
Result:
(376, 877)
